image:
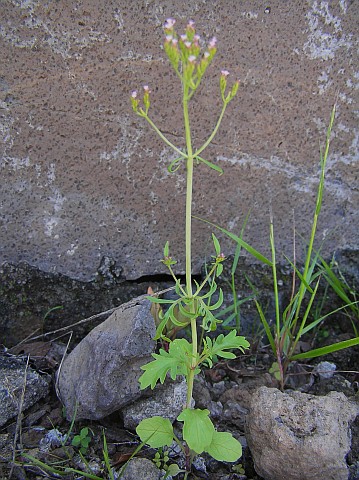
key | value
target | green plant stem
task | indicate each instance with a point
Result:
(191, 374)
(208, 276)
(275, 283)
(188, 241)
(160, 134)
(303, 287)
(210, 138)
(176, 279)
(189, 189)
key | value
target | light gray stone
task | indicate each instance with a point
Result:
(12, 378)
(101, 374)
(297, 436)
(166, 401)
(141, 468)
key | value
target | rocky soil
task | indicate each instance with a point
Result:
(227, 391)
(234, 392)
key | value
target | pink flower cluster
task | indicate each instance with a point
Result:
(186, 48)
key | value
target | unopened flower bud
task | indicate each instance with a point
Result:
(223, 83)
(212, 43)
(234, 89)
(169, 24)
(134, 101)
(146, 97)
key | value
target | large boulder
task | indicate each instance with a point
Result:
(101, 374)
(297, 436)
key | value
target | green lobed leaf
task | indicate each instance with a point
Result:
(177, 361)
(228, 342)
(224, 447)
(198, 430)
(155, 431)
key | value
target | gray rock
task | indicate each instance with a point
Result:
(141, 468)
(297, 436)
(166, 401)
(12, 377)
(325, 369)
(235, 413)
(101, 374)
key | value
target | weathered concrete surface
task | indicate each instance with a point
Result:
(83, 177)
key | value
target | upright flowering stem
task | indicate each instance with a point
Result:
(185, 56)
(189, 191)
(188, 239)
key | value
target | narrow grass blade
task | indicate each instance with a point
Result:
(318, 352)
(238, 240)
(319, 320)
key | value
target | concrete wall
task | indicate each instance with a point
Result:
(82, 177)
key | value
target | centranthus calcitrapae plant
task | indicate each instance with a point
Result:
(194, 305)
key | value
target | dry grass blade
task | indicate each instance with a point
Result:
(19, 419)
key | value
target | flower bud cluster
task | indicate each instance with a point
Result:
(223, 86)
(184, 53)
(136, 102)
(190, 63)
(168, 261)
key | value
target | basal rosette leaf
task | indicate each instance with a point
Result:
(177, 361)
(198, 430)
(155, 431)
(224, 447)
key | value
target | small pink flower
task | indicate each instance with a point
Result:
(174, 42)
(183, 38)
(134, 94)
(190, 24)
(169, 23)
(188, 44)
(213, 43)
(146, 89)
(196, 38)
(224, 73)
(191, 59)
(206, 54)
(169, 38)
